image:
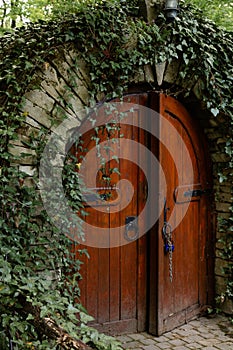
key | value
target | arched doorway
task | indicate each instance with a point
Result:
(143, 284)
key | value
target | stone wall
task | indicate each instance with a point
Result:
(223, 201)
(59, 89)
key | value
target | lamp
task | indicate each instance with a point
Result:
(171, 8)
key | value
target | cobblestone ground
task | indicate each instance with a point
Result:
(204, 333)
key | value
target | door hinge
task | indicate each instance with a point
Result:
(196, 193)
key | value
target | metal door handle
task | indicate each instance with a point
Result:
(131, 228)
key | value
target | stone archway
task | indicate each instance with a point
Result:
(52, 96)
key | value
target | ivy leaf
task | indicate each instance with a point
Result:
(214, 111)
(72, 309)
(222, 178)
(86, 318)
(179, 47)
(186, 59)
(210, 60)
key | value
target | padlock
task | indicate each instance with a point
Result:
(167, 248)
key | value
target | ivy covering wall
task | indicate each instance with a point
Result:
(96, 54)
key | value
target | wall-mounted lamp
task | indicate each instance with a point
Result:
(171, 8)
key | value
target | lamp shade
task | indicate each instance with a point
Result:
(171, 8)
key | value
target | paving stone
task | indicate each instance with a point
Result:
(130, 345)
(184, 333)
(123, 338)
(195, 323)
(170, 336)
(206, 335)
(191, 332)
(224, 338)
(208, 342)
(164, 345)
(216, 334)
(212, 326)
(202, 329)
(187, 327)
(194, 346)
(203, 333)
(161, 339)
(225, 346)
(193, 338)
(176, 342)
(137, 336)
(148, 341)
(150, 347)
(178, 336)
(147, 335)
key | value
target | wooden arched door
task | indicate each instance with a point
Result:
(136, 285)
(189, 201)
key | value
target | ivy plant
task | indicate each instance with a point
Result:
(115, 43)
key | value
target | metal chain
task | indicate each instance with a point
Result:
(167, 233)
(167, 236)
(170, 263)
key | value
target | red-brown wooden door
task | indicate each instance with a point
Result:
(114, 279)
(128, 288)
(186, 167)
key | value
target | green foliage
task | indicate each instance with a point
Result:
(17, 12)
(115, 46)
(20, 12)
(221, 12)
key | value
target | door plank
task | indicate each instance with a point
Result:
(129, 261)
(103, 286)
(142, 290)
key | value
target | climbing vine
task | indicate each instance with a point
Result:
(115, 44)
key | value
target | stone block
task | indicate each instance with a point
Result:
(33, 124)
(219, 245)
(26, 155)
(220, 264)
(60, 113)
(41, 99)
(153, 8)
(37, 113)
(220, 157)
(49, 73)
(220, 285)
(27, 131)
(27, 169)
(20, 141)
(50, 89)
(29, 182)
(225, 196)
(81, 66)
(221, 140)
(226, 187)
(139, 76)
(223, 207)
(227, 306)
